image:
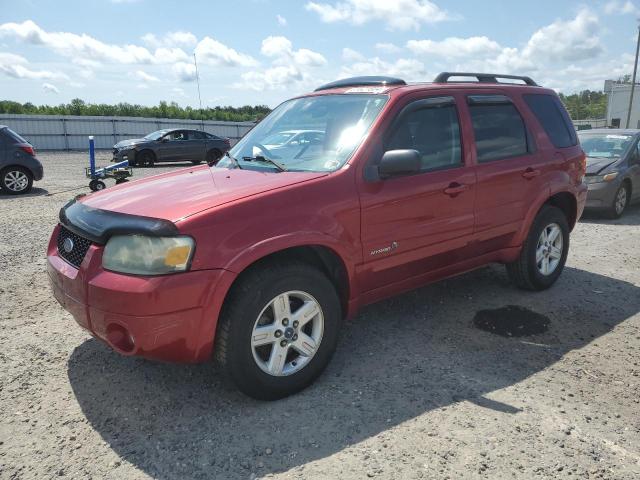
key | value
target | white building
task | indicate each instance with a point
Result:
(618, 104)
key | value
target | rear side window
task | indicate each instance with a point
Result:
(14, 136)
(433, 131)
(554, 119)
(195, 135)
(498, 127)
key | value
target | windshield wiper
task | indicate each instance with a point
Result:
(234, 160)
(260, 158)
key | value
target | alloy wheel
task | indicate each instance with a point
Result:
(287, 333)
(16, 180)
(549, 249)
(621, 200)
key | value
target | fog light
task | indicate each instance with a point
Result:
(120, 338)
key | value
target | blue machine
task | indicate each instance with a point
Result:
(118, 171)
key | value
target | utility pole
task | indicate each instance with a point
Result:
(633, 80)
(195, 62)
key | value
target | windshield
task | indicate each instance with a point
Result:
(155, 135)
(605, 145)
(330, 128)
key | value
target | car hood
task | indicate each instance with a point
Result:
(180, 194)
(596, 164)
(128, 143)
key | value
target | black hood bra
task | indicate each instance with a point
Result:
(99, 225)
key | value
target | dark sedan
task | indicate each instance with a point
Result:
(171, 145)
(613, 169)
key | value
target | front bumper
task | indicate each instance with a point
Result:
(170, 317)
(122, 155)
(601, 194)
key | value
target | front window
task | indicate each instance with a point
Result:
(155, 135)
(338, 123)
(604, 145)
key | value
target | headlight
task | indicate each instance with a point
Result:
(600, 178)
(143, 255)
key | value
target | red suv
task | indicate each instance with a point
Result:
(257, 260)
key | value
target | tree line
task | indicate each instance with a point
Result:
(586, 104)
(247, 113)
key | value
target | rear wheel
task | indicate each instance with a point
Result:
(145, 158)
(544, 252)
(97, 185)
(620, 201)
(278, 330)
(16, 180)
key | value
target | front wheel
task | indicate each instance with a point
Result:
(544, 252)
(278, 330)
(620, 202)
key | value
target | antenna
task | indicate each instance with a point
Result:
(195, 62)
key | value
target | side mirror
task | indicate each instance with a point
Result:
(396, 163)
(164, 139)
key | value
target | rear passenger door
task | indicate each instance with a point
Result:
(415, 224)
(198, 145)
(510, 170)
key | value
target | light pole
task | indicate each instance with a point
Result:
(633, 80)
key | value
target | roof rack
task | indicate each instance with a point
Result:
(484, 77)
(367, 81)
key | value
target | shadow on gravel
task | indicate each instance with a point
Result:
(35, 192)
(397, 360)
(631, 216)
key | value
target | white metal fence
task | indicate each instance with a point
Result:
(69, 132)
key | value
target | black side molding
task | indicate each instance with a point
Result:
(98, 225)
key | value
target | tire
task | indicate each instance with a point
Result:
(620, 201)
(16, 180)
(213, 156)
(145, 158)
(121, 180)
(249, 305)
(526, 272)
(97, 185)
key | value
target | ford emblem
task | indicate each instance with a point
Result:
(67, 245)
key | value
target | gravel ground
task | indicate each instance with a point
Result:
(414, 390)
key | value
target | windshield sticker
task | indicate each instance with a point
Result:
(367, 90)
(619, 137)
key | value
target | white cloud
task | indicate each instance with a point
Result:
(385, 47)
(86, 49)
(397, 14)
(171, 39)
(289, 68)
(281, 20)
(48, 88)
(408, 69)
(178, 91)
(213, 52)
(351, 55)
(16, 66)
(282, 50)
(454, 47)
(616, 7)
(145, 77)
(185, 72)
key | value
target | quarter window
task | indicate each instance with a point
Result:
(433, 131)
(498, 128)
(554, 119)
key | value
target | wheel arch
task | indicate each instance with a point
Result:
(146, 150)
(568, 203)
(323, 257)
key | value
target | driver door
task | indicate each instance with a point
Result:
(175, 146)
(415, 224)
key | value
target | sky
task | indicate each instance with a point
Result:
(265, 51)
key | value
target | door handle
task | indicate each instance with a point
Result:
(530, 173)
(454, 189)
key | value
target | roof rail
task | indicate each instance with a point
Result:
(484, 77)
(367, 81)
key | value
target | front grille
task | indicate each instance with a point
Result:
(76, 246)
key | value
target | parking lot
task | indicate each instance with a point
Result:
(414, 390)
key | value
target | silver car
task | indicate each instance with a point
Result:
(613, 169)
